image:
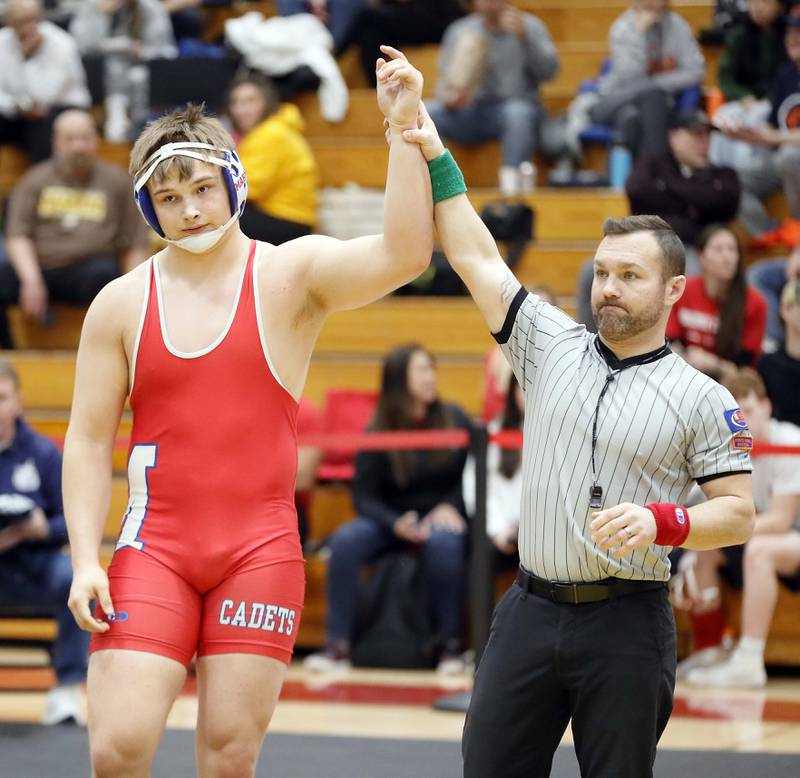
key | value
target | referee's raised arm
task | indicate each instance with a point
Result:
(469, 247)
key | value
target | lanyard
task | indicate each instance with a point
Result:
(595, 490)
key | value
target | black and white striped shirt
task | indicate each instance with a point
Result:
(662, 426)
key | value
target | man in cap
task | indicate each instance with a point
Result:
(683, 187)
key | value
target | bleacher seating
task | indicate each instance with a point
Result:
(351, 344)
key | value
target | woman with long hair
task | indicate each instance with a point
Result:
(720, 321)
(282, 176)
(405, 500)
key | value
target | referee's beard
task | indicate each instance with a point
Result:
(615, 322)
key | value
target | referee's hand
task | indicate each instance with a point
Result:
(623, 528)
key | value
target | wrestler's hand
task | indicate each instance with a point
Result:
(399, 88)
(90, 583)
(426, 135)
(626, 526)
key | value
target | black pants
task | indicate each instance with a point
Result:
(33, 136)
(610, 666)
(397, 25)
(77, 284)
(261, 226)
(641, 122)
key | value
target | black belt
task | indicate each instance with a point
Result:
(577, 593)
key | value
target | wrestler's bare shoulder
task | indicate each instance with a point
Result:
(295, 256)
(286, 273)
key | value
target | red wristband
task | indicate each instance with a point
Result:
(672, 523)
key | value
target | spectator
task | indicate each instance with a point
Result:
(281, 172)
(752, 51)
(72, 226)
(40, 74)
(781, 369)
(682, 186)
(490, 68)
(770, 556)
(719, 322)
(34, 571)
(127, 33)
(778, 168)
(309, 421)
(654, 56)
(404, 500)
(410, 22)
(504, 481)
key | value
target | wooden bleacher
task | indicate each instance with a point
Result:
(350, 346)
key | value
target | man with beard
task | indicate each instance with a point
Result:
(617, 431)
(72, 226)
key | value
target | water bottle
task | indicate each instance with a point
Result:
(527, 177)
(619, 166)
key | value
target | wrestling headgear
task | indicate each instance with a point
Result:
(232, 173)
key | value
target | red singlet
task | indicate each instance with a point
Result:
(208, 557)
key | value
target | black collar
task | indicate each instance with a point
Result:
(615, 363)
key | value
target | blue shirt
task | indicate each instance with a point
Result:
(31, 466)
(786, 98)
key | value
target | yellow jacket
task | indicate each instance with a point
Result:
(282, 176)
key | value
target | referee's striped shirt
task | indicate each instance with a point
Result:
(662, 426)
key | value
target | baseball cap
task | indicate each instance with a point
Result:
(691, 120)
(793, 17)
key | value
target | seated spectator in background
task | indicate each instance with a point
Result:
(778, 167)
(409, 22)
(752, 51)
(127, 33)
(404, 500)
(282, 174)
(40, 73)
(780, 370)
(654, 56)
(490, 68)
(72, 226)
(338, 15)
(719, 322)
(771, 556)
(682, 186)
(497, 372)
(309, 421)
(34, 571)
(504, 481)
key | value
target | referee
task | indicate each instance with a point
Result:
(617, 430)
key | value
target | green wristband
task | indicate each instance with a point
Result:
(446, 178)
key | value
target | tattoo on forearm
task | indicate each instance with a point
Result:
(509, 288)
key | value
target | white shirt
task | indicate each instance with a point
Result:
(503, 495)
(54, 75)
(776, 475)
